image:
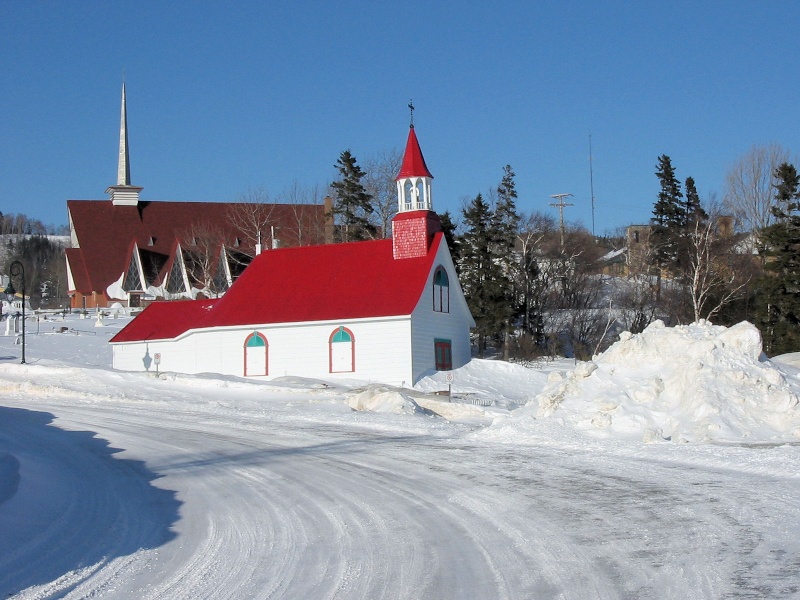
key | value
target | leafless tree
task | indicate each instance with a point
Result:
(252, 215)
(714, 279)
(748, 188)
(534, 275)
(308, 227)
(379, 182)
(202, 245)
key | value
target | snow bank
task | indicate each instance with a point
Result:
(504, 384)
(694, 383)
(383, 400)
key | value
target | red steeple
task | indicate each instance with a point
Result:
(415, 225)
(413, 161)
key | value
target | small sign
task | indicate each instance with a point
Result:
(449, 378)
(157, 358)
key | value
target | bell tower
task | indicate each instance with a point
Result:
(415, 224)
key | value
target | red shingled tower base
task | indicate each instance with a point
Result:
(412, 233)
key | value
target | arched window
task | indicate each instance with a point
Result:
(441, 291)
(256, 355)
(409, 196)
(342, 351)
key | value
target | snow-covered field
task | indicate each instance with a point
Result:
(667, 467)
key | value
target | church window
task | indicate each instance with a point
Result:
(133, 279)
(441, 291)
(256, 355)
(221, 274)
(443, 352)
(342, 351)
(175, 283)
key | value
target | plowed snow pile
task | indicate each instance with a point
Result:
(693, 383)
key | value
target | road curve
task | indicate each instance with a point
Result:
(292, 504)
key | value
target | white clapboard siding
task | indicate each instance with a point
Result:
(382, 352)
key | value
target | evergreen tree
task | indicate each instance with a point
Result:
(694, 219)
(480, 274)
(505, 220)
(669, 215)
(504, 230)
(779, 309)
(352, 205)
(45, 269)
(692, 209)
(449, 231)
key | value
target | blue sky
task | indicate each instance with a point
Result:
(228, 97)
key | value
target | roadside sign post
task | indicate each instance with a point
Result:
(157, 361)
(449, 378)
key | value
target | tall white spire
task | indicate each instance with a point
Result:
(124, 194)
(123, 167)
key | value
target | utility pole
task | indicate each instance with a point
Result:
(560, 204)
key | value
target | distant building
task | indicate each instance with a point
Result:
(639, 251)
(132, 251)
(385, 310)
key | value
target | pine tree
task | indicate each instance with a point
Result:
(449, 231)
(669, 216)
(692, 209)
(352, 203)
(480, 274)
(779, 309)
(504, 230)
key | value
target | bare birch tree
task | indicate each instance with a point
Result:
(252, 215)
(202, 245)
(308, 227)
(713, 277)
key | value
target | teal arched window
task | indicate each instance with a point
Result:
(256, 355)
(341, 351)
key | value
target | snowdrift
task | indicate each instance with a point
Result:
(383, 400)
(693, 383)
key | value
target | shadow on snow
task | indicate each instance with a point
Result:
(68, 504)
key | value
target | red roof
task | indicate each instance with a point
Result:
(413, 161)
(165, 320)
(106, 233)
(311, 283)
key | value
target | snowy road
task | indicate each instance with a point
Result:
(228, 492)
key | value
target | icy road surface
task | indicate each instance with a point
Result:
(137, 487)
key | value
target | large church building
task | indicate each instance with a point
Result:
(386, 310)
(132, 251)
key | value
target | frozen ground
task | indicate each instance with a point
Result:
(667, 467)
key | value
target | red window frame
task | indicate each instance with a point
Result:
(443, 355)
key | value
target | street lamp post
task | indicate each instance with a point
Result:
(17, 269)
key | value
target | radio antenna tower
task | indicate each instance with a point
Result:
(560, 204)
(591, 180)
